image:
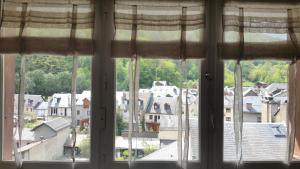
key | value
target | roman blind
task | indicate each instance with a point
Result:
(261, 29)
(159, 29)
(60, 27)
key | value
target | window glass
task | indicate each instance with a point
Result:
(159, 91)
(265, 98)
(47, 116)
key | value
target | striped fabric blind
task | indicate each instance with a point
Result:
(159, 29)
(60, 27)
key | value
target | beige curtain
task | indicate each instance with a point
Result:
(270, 29)
(159, 29)
(41, 26)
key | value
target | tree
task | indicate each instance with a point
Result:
(121, 124)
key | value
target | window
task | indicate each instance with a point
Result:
(48, 101)
(261, 113)
(155, 128)
(259, 119)
(228, 110)
(126, 32)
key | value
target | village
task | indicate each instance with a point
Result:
(47, 128)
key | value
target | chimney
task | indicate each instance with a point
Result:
(249, 106)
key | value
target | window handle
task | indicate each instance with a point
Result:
(207, 76)
(212, 121)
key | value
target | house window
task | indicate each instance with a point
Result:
(78, 112)
(228, 110)
(151, 117)
(259, 119)
(228, 118)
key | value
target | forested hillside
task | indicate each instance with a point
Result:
(52, 74)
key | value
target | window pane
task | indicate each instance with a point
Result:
(265, 98)
(47, 109)
(159, 91)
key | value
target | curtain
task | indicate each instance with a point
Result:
(63, 26)
(270, 28)
(159, 29)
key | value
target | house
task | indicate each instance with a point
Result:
(83, 108)
(275, 108)
(275, 88)
(60, 106)
(48, 140)
(228, 108)
(252, 108)
(41, 109)
(161, 112)
(51, 128)
(162, 89)
(31, 102)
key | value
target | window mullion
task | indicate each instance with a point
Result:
(214, 90)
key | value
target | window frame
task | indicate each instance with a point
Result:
(103, 89)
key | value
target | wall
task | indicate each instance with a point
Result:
(50, 149)
(44, 131)
(251, 117)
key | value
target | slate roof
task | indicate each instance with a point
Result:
(27, 135)
(256, 102)
(56, 124)
(275, 86)
(42, 106)
(161, 101)
(260, 142)
(228, 101)
(30, 100)
(60, 100)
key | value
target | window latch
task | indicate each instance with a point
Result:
(207, 76)
(212, 121)
(103, 118)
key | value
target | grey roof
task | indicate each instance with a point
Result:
(27, 135)
(42, 106)
(260, 142)
(228, 101)
(55, 124)
(30, 100)
(161, 101)
(256, 102)
(275, 86)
